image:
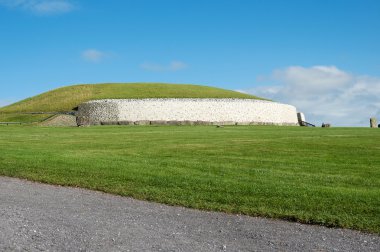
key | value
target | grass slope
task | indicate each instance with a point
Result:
(312, 175)
(67, 98)
(24, 118)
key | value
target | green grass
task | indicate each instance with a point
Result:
(24, 118)
(311, 175)
(67, 98)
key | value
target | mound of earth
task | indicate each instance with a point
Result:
(68, 98)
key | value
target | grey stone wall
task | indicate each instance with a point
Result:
(186, 111)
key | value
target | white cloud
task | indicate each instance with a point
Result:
(316, 78)
(93, 55)
(326, 94)
(171, 67)
(41, 7)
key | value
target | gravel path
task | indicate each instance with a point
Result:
(39, 217)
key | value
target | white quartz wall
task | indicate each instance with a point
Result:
(209, 110)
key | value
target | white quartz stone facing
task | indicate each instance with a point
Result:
(189, 109)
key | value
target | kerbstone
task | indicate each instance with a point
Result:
(126, 123)
(142, 122)
(160, 122)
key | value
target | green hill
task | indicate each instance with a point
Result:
(67, 98)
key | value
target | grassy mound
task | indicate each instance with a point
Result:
(67, 98)
(24, 118)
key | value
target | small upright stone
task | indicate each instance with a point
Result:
(326, 125)
(373, 122)
(301, 118)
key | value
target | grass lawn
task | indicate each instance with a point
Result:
(327, 176)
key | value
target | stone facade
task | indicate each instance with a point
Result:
(186, 111)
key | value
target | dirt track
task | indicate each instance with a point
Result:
(37, 217)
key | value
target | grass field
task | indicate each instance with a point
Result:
(312, 175)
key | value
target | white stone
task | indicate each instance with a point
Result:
(240, 111)
(301, 117)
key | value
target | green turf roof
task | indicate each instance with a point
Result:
(67, 98)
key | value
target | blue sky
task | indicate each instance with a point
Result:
(321, 56)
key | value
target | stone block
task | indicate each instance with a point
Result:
(174, 123)
(187, 123)
(109, 123)
(326, 125)
(301, 118)
(202, 123)
(373, 122)
(159, 122)
(125, 123)
(142, 122)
